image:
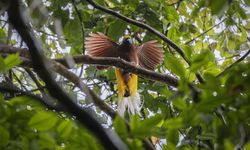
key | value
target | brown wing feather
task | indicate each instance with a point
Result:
(99, 45)
(150, 54)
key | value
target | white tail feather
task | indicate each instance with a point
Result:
(132, 104)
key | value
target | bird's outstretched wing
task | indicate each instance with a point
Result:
(99, 45)
(150, 54)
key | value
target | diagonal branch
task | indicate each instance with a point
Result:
(233, 64)
(109, 141)
(188, 42)
(150, 29)
(61, 69)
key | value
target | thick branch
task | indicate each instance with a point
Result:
(41, 67)
(124, 65)
(84, 59)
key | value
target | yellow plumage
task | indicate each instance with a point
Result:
(132, 103)
(132, 84)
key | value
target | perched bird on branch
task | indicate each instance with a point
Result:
(147, 55)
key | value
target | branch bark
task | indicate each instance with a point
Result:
(84, 59)
(109, 141)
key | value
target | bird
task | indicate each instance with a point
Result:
(146, 55)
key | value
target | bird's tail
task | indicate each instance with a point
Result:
(132, 103)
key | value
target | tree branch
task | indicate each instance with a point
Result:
(109, 141)
(188, 42)
(8, 87)
(149, 28)
(85, 59)
(111, 61)
(59, 68)
(39, 86)
(233, 64)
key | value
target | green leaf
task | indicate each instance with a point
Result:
(173, 136)
(169, 146)
(43, 121)
(188, 51)
(65, 129)
(243, 36)
(173, 123)
(247, 146)
(9, 62)
(201, 60)
(248, 3)
(152, 19)
(46, 141)
(116, 29)
(12, 60)
(180, 104)
(240, 10)
(146, 127)
(72, 32)
(120, 127)
(4, 136)
(172, 34)
(175, 66)
(152, 121)
(153, 4)
(171, 14)
(3, 35)
(217, 6)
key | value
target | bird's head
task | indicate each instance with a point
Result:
(127, 40)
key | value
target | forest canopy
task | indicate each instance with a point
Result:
(52, 96)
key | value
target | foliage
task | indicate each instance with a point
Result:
(212, 33)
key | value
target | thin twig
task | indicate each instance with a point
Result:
(190, 41)
(233, 64)
(19, 81)
(8, 87)
(39, 86)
